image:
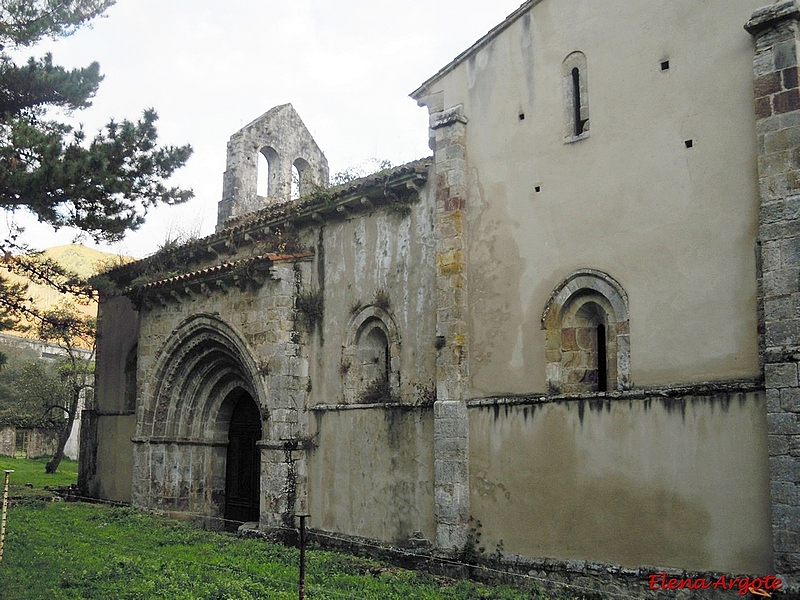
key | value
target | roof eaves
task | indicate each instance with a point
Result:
(347, 195)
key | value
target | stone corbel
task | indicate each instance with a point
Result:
(448, 117)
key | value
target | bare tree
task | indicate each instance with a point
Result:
(74, 333)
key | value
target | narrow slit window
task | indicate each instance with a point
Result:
(295, 185)
(602, 365)
(576, 97)
(576, 100)
(262, 183)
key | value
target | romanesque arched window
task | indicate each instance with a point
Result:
(371, 357)
(576, 97)
(587, 335)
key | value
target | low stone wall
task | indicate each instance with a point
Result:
(41, 443)
(8, 441)
(585, 579)
(602, 580)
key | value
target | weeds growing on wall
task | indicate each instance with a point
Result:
(378, 391)
(366, 168)
(401, 209)
(310, 307)
(424, 395)
(355, 307)
(381, 299)
(472, 550)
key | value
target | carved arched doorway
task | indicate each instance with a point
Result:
(243, 464)
(205, 391)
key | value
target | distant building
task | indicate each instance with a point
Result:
(36, 443)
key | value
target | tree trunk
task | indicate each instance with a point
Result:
(63, 437)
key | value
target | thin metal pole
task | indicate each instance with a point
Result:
(5, 513)
(302, 587)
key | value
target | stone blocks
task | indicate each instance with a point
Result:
(451, 473)
(777, 108)
(8, 441)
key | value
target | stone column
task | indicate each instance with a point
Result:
(451, 421)
(777, 106)
(284, 463)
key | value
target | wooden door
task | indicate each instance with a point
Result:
(242, 490)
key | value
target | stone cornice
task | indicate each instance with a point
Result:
(706, 388)
(165, 441)
(251, 272)
(767, 16)
(372, 406)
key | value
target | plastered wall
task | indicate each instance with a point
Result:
(675, 226)
(383, 253)
(681, 482)
(371, 473)
(106, 462)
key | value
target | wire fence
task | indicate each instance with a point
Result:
(427, 561)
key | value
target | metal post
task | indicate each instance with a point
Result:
(302, 586)
(5, 512)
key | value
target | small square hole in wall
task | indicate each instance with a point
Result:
(521, 116)
(665, 65)
(689, 143)
(537, 188)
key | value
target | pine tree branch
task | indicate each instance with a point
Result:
(25, 22)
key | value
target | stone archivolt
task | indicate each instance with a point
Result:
(196, 369)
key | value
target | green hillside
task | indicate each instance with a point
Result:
(81, 260)
(78, 259)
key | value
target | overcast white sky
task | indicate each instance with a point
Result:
(210, 67)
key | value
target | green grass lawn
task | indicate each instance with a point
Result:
(57, 550)
(29, 474)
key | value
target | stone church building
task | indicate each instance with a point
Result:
(577, 322)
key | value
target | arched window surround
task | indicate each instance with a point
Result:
(365, 328)
(575, 78)
(577, 307)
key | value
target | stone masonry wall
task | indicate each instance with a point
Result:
(181, 439)
(8, 441)
(451, 422)
(284, 140)
(777, 106)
